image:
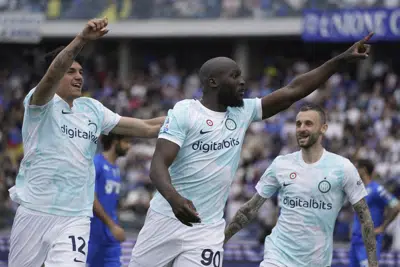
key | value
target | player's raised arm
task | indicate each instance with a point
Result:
(138, 128)
(367, 225)
(165, 153)
(244, 216)
(305, 84)
(48, 85)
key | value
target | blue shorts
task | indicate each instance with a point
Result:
(358, 254)
(104, 255)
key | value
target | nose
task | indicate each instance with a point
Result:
(241, 81)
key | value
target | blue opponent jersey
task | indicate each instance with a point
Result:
(377, 199)
(107, 187)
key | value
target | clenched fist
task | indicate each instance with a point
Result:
(95, 29)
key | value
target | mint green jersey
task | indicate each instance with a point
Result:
(57, 172)
(310, 198)
(210, 145)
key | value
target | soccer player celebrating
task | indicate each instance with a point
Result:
(55, 183)
(377, 199)
(313, 184)
(105, 233)
(196, 157)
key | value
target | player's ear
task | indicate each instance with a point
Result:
(212, 82)
(324, 128)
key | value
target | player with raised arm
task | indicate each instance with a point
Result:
(196, 157)
(55, 182)
(105, 233)
(312, 184)
(378, 200)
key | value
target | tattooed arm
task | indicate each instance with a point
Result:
(48, 85)
(244, 216)
(367, 226)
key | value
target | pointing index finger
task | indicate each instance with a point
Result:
(367, 38)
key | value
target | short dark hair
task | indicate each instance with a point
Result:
(317, 108)
(106, 140)
(49, 57)
(367, 164)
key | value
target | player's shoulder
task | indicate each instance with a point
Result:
(338, 160)
(287, 158)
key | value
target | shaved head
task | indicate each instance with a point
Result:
(215, 67)
(221, 79)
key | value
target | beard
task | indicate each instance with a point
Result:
(229, 99)
(312, 139)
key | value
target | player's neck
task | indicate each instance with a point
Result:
(212, 104)
(110, 156)
(312, 154)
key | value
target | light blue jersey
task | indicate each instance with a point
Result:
(57, 172)
(311, 196)
(210, 144)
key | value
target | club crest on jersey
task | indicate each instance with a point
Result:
(293, 175)
(324, 186)
(230, 124)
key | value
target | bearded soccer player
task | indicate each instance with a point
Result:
(105, 233)
(55, 182)
(196, 157)
(379, 200)
(313, 184)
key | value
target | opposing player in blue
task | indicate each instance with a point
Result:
(196, 158)
(378, 200)
(313, 185)
(55, 183)
(105, 233)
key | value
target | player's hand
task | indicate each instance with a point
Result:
(118, 232)
(359, 50)
(95, 29)
(379, 230)
(184, 210)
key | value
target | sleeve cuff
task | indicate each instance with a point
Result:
(171, 138)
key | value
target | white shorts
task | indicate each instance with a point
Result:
(165, 241)
(56, 241)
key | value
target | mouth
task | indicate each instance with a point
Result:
(241, 93)
(77, 85)
(302, 138)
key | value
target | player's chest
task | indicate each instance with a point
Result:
(305, 183)
(207, 128)
(76, 126)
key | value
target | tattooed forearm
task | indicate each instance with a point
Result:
(368, 234)
(47, 87)
(244, 216)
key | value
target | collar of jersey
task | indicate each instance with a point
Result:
(303, 163)
(210, 112)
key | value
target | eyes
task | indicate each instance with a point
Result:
(306, 123)
(72, 71)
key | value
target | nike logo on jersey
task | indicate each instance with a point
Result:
(66, 112)
(204, 132)
(75, 260)
(285, 184)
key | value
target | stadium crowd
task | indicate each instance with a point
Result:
(363, 123)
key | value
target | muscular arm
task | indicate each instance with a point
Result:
(138, 128)
(367, 226)
(99, 211)
(244, 216)
(48, 85)
(165, 153)
(300, 87)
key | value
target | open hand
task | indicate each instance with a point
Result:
(95, 29)
(359, 50)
